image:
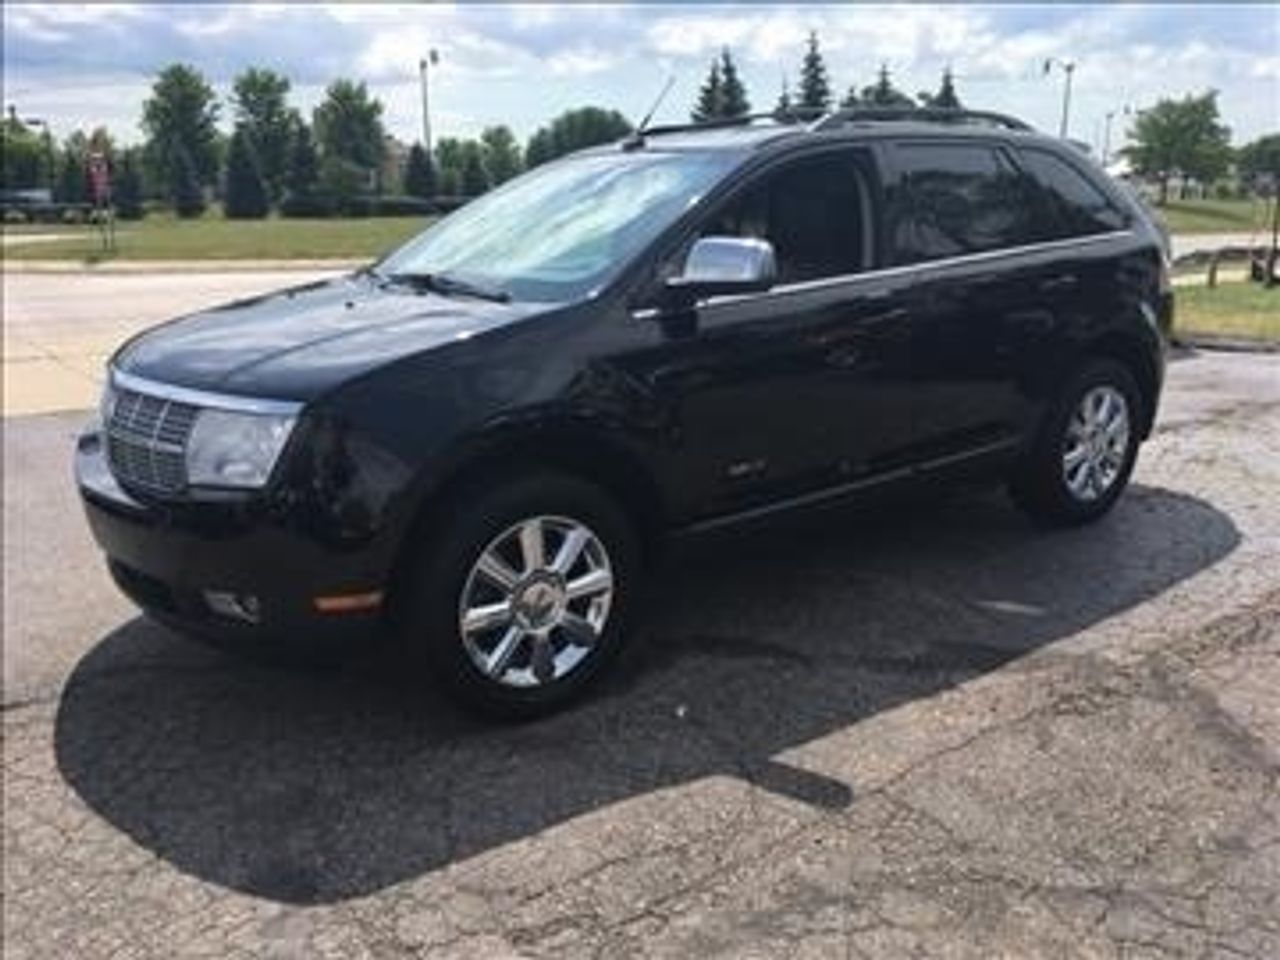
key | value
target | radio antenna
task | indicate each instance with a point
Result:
(644, 124)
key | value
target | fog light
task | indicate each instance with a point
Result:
(236, 606)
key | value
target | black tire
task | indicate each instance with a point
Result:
(432, 590)
(1039, 485)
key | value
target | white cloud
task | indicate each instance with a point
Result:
(521, 64)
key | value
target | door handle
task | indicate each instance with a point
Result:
(1060, 283)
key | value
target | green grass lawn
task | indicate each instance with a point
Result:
(1238, 310)
(163, 237)
(1215, 216)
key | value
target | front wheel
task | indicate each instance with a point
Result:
(1084, 453)
(522, 597)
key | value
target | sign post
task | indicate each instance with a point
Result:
(100, 184)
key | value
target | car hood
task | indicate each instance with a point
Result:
(299, 342)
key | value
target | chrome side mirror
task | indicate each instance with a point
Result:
(725, 265)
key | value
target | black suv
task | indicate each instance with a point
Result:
(475, 441)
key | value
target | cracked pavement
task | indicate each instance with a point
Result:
(923, 729)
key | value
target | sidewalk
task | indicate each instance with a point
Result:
(60, 326)
(179, 266)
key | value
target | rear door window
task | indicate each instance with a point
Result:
(953, 199)
(1076, 207)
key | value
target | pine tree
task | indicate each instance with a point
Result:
(303, 171)
(782, 109)
(884, 94)
(187, 190)
(301, 196)
(815, 91)
(419, 174)
(710, 97)
(733, 95)
(126, 192)
(245, 194)
(946, 97)
(73, 182)
(851, 99)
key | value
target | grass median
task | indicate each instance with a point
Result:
(164, 237)
(1234, 311)
(1215, 216)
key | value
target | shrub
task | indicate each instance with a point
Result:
(307, 205)
(400, 205)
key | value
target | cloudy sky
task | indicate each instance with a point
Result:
(79, 66)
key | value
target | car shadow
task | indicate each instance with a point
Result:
(317, 786)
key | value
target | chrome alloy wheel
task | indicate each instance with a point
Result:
(1096, 443)
(536, 601)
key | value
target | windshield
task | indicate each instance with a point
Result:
(562, 231)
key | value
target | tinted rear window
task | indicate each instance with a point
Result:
(1076, 207)
(956, 199)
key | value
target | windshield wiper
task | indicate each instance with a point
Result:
(451, 286)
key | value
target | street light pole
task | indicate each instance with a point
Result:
(431, 58)
(1069, 68)
(48, 146)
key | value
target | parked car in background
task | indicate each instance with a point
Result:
(478, 442)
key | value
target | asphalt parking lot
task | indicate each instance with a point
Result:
(929, 729)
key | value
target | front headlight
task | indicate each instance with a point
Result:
(234, 449)
(107, 404)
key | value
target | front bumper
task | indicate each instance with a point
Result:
(168, 557)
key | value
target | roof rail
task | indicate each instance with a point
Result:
(793, 115)
(920, 114)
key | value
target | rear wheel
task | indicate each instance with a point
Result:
(522, 597)
(1084, 453)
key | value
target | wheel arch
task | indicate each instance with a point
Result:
(1136, 357)
(581, 453)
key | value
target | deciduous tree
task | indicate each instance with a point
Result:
(1180, 137)
(22, 153)
(501, 154)
(476, 178)
(260, 100)
(574, 130)
(348, 125)
(1259, 163)
(180, 120)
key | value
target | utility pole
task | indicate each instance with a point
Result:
(1069, 68)
(431, 59)
(50, 158)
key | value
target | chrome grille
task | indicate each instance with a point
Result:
(147, 440)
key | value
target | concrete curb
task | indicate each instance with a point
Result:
(1225, 344)
(178, 266)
